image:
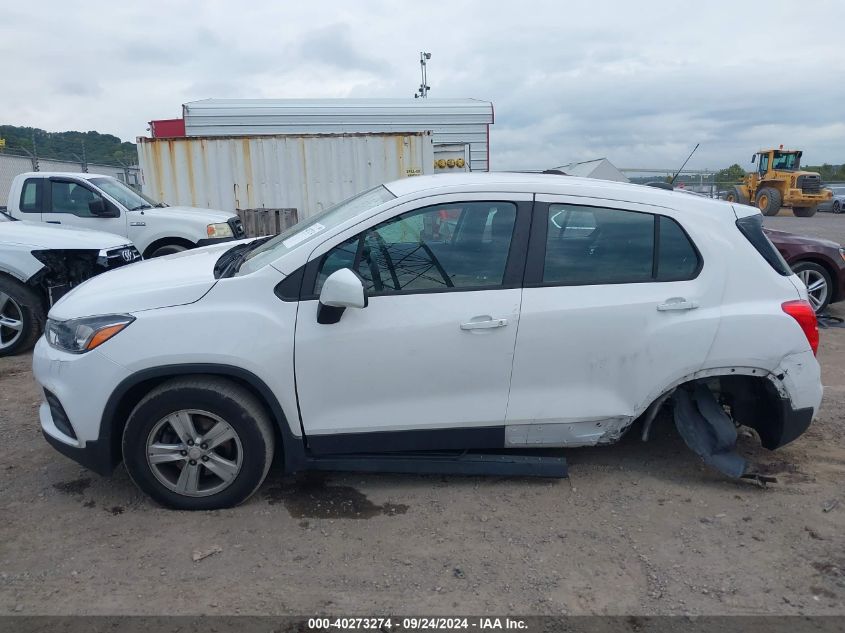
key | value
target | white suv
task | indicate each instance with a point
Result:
(437, 313)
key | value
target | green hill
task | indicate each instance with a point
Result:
(99, 148)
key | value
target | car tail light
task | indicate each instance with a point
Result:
(803, 312)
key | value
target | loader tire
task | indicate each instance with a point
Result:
(736, 195)
(769, 201)
(804, 212)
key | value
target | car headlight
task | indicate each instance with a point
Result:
(219, 230)
(82, 335)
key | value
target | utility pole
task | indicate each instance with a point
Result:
(422, 91)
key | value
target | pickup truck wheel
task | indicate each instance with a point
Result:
(21, 317)
(198, 443)
(769, 201)
(168, 249)
(818, 283)
(803, 212)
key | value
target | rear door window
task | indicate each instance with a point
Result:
(31, 196)
(594, 245)
(598, 245)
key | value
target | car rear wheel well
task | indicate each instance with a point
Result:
(750, 400)
(167, 241)
(127, 396)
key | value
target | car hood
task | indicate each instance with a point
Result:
(154, 283)
(48, 237)
(783, 237)
(207, 216)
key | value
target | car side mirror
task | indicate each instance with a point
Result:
(754, 158)
(99, 208)
(342, 289)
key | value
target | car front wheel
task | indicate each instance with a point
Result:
(198, 443)
(818, 283)
(21, 317)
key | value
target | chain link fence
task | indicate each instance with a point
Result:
(14, 163)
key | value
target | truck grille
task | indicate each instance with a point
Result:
(810, 183)
(116, 257)
(237, 228)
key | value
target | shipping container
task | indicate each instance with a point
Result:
(451, 121)
(308, 173)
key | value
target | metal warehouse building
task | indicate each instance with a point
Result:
(452, 121)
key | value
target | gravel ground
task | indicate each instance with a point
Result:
(637, 529)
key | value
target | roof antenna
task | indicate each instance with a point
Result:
(672, 182)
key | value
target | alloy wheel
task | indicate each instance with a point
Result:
(817, 289)
(194, 453)
(11, 321)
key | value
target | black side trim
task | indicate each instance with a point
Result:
(751, 226)
(288, 288)
(294, 451)
(94, 456)
(214, 240)
(485, 437)
(462, 463)
(795, 422)
(328, 315)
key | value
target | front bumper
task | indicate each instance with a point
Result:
(95, 455)
(82, 384)
(805, 198)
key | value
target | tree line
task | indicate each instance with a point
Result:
(93, 147)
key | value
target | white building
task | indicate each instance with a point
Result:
(451, 121)
(600, 168)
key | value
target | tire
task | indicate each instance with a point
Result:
(736, 195)
(768, 201)
(207, 401)
(837, 207)
(168, 249)
(804, 212)
(812, 274)
(21, 317)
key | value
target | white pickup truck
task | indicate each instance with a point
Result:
(103, 203)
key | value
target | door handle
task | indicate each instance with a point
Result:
(484, 325)
(52, 222)
(677, 303)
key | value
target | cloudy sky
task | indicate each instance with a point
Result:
(638, 82)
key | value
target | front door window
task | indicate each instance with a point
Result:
(456, 246)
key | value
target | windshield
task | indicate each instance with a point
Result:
(304, 231)
(838, 191)
(126, 196)
(786, 161)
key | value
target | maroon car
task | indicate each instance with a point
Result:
(819, 263)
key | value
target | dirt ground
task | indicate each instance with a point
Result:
(637, 529)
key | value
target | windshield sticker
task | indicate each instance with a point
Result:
(303, 235)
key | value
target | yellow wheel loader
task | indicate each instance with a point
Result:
(778, 182)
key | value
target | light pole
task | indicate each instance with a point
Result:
(422, 91)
